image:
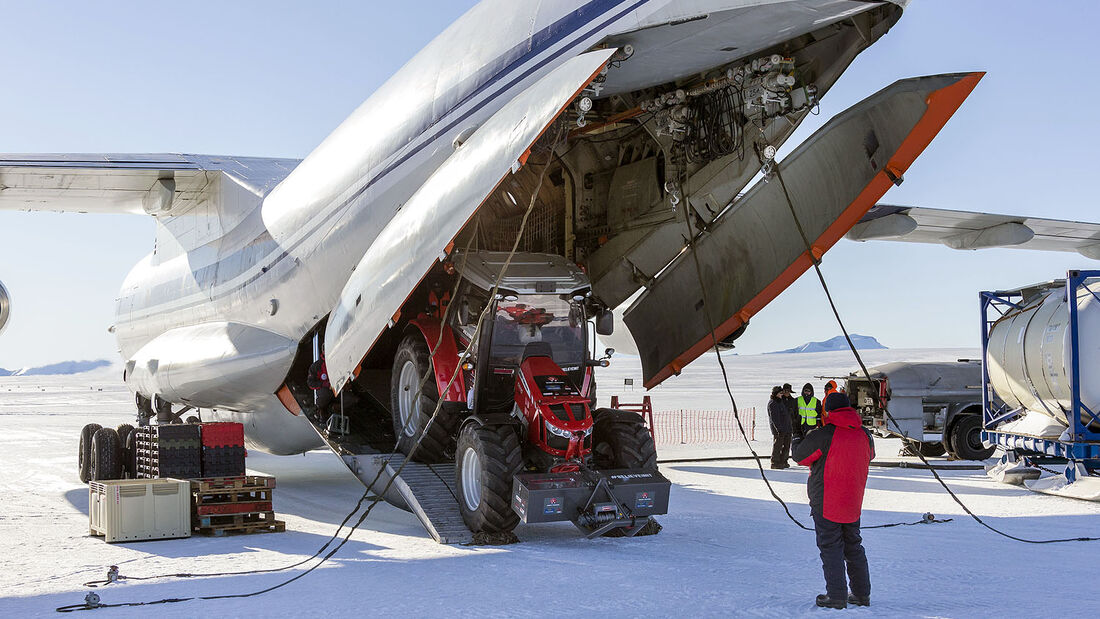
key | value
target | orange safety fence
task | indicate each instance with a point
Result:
(692, 427)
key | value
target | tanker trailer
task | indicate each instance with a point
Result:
(1041, 352)
(935, 407)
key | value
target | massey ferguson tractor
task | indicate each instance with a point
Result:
(519, 415)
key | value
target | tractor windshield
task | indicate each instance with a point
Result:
(553, 324)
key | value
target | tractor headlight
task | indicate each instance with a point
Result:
(556, 431)
(566, 434)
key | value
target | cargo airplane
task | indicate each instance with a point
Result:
(615, 138)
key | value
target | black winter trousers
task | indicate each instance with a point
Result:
(781, 448)
(840, 546)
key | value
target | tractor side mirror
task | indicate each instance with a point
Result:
(605, 322)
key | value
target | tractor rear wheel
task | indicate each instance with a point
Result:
(621, 440)
(84, 453)
(486, 460)
(106, 455)
(413, 404)
(966, 438)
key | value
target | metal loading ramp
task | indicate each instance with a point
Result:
(428, 491)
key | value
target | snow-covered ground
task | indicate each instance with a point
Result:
(727, 548)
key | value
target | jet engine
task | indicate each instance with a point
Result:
(5, 307)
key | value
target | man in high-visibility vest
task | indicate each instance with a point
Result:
(809, 409)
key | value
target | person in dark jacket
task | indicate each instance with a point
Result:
(792, 409)
(779, 419)
(839, 455)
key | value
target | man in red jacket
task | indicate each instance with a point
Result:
(839, 455)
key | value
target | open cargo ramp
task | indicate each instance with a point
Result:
(426, 490)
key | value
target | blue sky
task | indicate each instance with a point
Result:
(274, 78)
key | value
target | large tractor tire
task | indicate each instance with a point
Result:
(106, 457)
(124, 431)
(84, 453)
(413, 405)
(966, 438)
(621, 440)
(486, 460)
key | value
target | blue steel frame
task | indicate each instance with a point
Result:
(1083, 445)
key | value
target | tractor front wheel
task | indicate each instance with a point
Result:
(621, 440)
(486, 460)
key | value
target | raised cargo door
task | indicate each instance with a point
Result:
(420, 232)
(754, 251)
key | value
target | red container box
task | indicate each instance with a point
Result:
(223, 434)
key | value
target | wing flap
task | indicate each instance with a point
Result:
(419, 233)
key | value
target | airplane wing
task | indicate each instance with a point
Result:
(420, 232)
(967, 230)
(152, 184)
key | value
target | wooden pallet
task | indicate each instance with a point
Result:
(241, 500)
(256, 522)
(211, 484)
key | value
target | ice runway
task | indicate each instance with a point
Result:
(727, 548)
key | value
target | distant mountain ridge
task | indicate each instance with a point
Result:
(58, 369)
(862, 342)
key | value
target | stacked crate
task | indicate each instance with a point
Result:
(223, 450)
(168, 451)
(234, 505)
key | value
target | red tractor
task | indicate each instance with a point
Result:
(519, 415)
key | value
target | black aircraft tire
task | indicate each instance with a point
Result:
(192, 420)
(129, 454)
(84, 451)
(410, 364)
(124, 431)
(966, 438)
(496, 454)
(622, 441)
(106, 455)
(930, 449)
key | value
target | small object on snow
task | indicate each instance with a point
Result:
(929, 517)
(91, 600)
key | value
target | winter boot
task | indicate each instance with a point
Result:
(825, 601)
(859, 600)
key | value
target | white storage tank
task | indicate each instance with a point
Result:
(1028, 357)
